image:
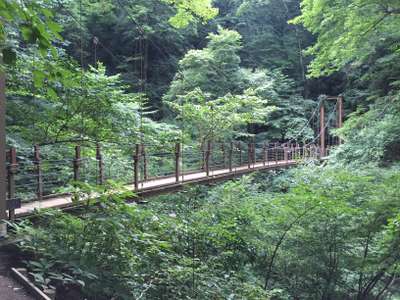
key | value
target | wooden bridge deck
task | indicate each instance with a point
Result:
(160, 185)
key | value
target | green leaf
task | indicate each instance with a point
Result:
(38, 78)
(54, 27)
(52, 93)
(27, 33)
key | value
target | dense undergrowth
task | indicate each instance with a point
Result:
(312, 233)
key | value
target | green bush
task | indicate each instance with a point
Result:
(332, 235)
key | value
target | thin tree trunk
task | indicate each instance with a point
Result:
(280, 241)
(361, 274)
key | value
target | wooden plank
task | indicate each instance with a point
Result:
(30, 287)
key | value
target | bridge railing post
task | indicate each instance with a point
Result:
(203, 155)
(265, 154)
(77, 163)
(240, 154)
(136, 157)
(38, 170)
(292, 152)
(230, 156)
(100, 164)
(223, 155)
(322, 129)
(276, 153)
(254, 154)
(285, 153)
(208, 154)
(144, 155)
(249, 155)
(340, 115)
(291, 156)
(11, 171)
(177, 161)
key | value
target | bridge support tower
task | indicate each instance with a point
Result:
(339, 122)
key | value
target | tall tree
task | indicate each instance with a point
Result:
(268, 40)
(214, 69)
(34, 24)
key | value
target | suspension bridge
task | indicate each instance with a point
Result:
(43, 176)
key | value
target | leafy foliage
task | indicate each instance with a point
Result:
(291, 111)
(215, 73)
(219, 119)
(214, 69)
(80, 104)
(318, 232)
(187, 10)
(347, 31)
(332, 235)
(268, 40)
(30, 21)
(371, 137)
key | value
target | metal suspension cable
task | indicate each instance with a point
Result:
(330, 118)
(141, 30)
(383, 111)
(33, 83)
(81, 60)
(142, 62)
(142, 88)
(182, 139)
(81, 26)
(308, 122)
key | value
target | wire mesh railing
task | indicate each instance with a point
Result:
(42, 172)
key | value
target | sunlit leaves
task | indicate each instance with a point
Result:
(347, 31)
(73, 103)
(219, 118)
(214, 69)
(333, 230)
(371, 137)
(33, 21)
(188, 10)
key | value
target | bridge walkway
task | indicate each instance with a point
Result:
(160, 185)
